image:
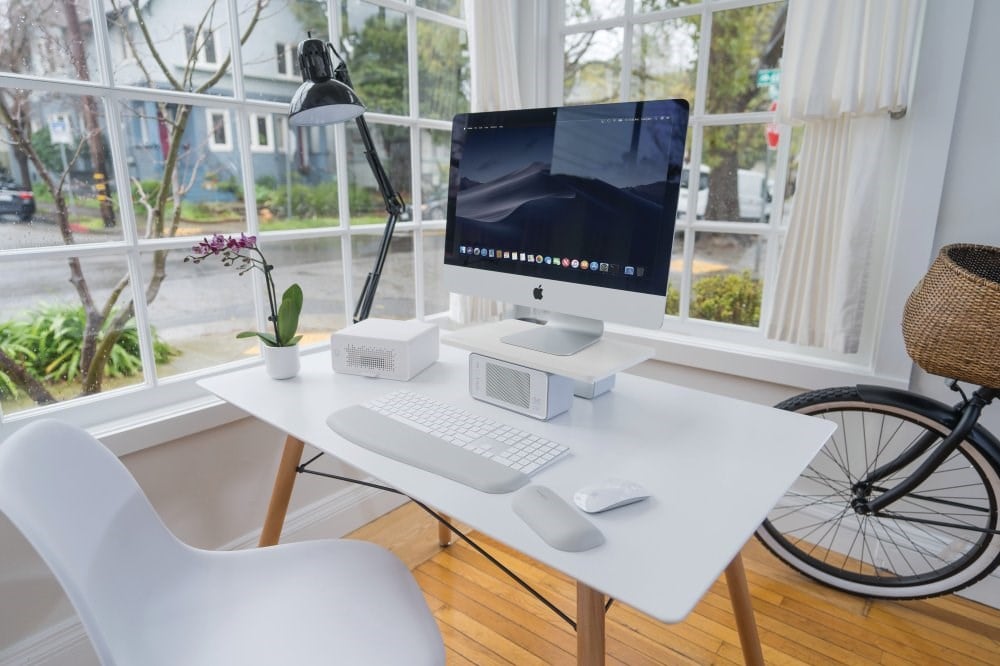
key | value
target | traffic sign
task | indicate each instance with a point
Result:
(771, 130)
(60, 131)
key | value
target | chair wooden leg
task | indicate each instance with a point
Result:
(589, 626)
(746, 625)
(284, 481)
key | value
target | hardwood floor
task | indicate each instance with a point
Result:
(486, 618)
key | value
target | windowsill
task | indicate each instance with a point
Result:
(752, 362)
(192, 410)
(741, 360)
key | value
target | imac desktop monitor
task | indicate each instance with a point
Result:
(568, 209)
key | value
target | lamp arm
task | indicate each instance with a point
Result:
(394, 205)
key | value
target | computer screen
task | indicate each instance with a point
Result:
(567, 209)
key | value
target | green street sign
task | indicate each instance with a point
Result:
(768, 77)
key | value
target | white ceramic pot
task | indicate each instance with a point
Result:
(281, 362)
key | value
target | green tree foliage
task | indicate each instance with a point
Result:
(311, 15)
(743, 42)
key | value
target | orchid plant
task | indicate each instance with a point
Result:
(245, 255)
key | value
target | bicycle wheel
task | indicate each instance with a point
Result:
(936, 540)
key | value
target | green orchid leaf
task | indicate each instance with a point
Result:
(266, 338)
(288, 315)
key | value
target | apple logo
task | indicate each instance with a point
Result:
(537, 293)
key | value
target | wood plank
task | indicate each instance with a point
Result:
(486, 618)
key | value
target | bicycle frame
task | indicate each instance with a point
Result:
(968, 412)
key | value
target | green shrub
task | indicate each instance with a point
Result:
(232, 186)
(733, 299)
(150, 187)
(48, 342)
(308, 201)
(267, 182)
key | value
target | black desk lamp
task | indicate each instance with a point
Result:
(326, 97)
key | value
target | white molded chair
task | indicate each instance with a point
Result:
(147, 598)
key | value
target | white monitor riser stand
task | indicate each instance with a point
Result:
(592, 368)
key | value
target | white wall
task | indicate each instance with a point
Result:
(970, 202)
(212, 488)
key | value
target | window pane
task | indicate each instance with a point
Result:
(204, 184)
(316, 266)
(581, 11)
(394, 298)
(727, 278)
(44, 331)
(374, 45)
(435, 147)
(450, 7)
(199, 310)
(270, 67)
(34, 44)
(744, 41)
(740, 173)
(393, 145)
(293, 189)
(443, 70)
(436, 297)
(152, 55)
(73, 198)
(665, 59)
(592, 66)
(676, 272)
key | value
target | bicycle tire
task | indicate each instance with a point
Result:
(815, 530)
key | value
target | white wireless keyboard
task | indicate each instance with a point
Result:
(444, 439)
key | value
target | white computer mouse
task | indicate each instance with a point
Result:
(608, 494)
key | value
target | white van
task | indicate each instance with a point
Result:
(753, 194)
(702, 196)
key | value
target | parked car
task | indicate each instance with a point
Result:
(16, 200)
(432, 209)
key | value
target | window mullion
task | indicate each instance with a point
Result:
(413, 74)
(625, 85)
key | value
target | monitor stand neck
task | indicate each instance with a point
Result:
(563, 335)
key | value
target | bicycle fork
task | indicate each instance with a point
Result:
(863, 504)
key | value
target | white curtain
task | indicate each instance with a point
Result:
(846, 71)
(493, 62)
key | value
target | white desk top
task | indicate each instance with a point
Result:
(714, 466)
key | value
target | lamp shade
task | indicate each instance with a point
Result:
(324, 103)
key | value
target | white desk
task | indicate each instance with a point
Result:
(714, 465)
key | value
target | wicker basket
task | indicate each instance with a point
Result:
(951, 322)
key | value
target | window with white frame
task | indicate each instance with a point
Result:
(148, 323)
(725, 61)
(261, 133)
(133, 323)
(741, 169)
(286, 57)
(281, 137)
(219, 132)
(199, 42)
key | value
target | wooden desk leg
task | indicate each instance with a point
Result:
(589, 626)
(746, 626)
(284, 481)
(444, 534)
